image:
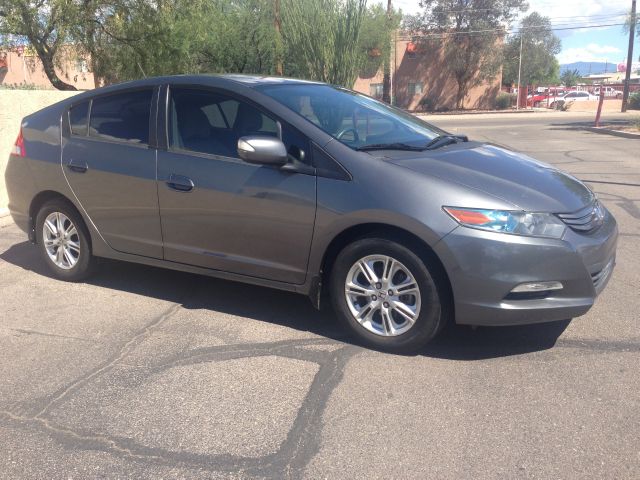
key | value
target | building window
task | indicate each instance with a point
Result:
(415, 88)
(81, 65)
(376, 90)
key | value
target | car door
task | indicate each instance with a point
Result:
(107, 159)
(222, 213)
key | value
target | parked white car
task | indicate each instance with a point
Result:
(579, 97)
(574, 96)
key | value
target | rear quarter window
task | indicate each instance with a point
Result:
(78, 118)
(122, 117)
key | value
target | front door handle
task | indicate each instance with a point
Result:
(180, 183)
(78, 166)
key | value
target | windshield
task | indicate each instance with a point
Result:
(356, 120)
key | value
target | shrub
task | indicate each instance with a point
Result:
(20, 86)
(504, 100)
(634, 101)
(562, 105)
(427, 104)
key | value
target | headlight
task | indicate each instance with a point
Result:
(505, 221)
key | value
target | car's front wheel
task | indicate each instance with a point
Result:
(386, 295)
(63, 241)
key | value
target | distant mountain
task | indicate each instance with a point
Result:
(586, 68)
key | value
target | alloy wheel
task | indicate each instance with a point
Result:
(61, 240)
(383, 295)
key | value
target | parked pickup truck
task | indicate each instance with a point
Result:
(608, 92)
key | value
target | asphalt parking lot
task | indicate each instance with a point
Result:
(149, 373)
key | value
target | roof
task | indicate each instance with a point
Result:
(220, 80)
(247, 80)
(598, 76)
(263, 80)
(617, 76)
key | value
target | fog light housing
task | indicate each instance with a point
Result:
(532, 287)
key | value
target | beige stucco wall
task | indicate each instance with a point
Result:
(609, 105)
(14, 105)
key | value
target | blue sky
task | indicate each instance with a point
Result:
(584, 44)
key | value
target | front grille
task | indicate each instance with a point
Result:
(600, 277)
(586, 219)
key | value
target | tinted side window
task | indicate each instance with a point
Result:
(78, 116)
(210, 122)
(123, 116)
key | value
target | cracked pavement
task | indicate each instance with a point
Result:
(149, 373)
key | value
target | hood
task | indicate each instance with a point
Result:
(527, 183)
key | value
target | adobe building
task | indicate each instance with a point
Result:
(21, 67)
(422, 81)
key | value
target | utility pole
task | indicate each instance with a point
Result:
(627, 77)
(277, 24)
(519, 72)
(386, 79)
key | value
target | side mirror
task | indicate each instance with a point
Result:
(262, 150)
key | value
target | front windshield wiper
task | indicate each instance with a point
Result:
(443, 140)
(389, 146)
(439, 141)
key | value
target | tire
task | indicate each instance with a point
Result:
(67, 256)
(386, 325)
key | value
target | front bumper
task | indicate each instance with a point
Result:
(483, 267)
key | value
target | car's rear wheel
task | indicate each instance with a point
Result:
(63, 241)
(386, 295)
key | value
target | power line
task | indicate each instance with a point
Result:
(511, 32)
(494, 9)
(607, 15)
(598, 17)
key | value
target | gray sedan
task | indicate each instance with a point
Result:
(314, 189)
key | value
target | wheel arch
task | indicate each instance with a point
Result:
(39, 201)
(393, 233)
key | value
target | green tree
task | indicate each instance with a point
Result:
(539, 49)
(45, 25)
(470, 32)
(323, 38)
(375, 40)
(129, 39)
(570, 78)
(136, 38)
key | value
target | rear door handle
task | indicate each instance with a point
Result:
(77, 166)
(180, 183)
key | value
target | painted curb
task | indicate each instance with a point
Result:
(615, 133)
(470, 112)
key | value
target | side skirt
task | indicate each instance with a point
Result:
(303, 289)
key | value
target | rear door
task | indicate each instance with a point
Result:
(222, 213)
(111, 167)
